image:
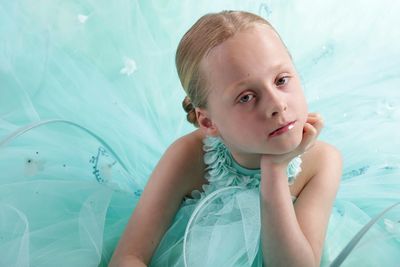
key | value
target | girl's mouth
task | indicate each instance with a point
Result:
(283, 129)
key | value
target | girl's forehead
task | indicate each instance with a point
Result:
(261, 38)
(251, 52)
(258, 43)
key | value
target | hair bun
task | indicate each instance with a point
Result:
(190, 110)
(187, 104)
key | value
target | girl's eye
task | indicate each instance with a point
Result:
(283, 80)
(246, 98)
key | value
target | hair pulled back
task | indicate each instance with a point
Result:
(209, 31)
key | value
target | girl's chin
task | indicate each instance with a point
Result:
(286, 146)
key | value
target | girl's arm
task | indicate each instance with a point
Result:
(170, 181)
(294, 235)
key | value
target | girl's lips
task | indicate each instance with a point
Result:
(283, 129)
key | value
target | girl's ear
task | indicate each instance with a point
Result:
(205, 122)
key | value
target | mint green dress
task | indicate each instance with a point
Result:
(90, 101)
(226, 211)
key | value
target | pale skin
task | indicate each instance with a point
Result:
(254, 89)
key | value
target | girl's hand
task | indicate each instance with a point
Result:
(311, 130)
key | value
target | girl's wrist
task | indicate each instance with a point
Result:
(273, 178)
(270, 166)
(271, 170)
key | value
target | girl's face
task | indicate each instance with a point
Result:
(254, 89)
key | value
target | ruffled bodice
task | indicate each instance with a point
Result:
(222, 170)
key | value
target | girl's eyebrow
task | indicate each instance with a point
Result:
(232, 87)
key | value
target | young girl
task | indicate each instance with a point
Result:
(250, 186)
(244, 95)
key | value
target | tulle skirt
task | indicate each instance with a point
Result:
(90, 100)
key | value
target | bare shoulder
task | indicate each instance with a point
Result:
(173, 177)
(322, 153)
(321, 157)
(328, 163)
(186, 156)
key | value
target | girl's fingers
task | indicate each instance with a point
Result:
(309, 136)
(313, 114)
(317, 121)
(319, 125)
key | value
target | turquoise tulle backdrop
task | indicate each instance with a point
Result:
(90, 100)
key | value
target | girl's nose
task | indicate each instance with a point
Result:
(276, 105)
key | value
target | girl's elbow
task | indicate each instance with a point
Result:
(126, 261)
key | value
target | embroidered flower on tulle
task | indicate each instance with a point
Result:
(220, 171)
(129, 66)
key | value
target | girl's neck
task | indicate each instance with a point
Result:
(247, 161)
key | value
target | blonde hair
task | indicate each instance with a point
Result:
(209, 31)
